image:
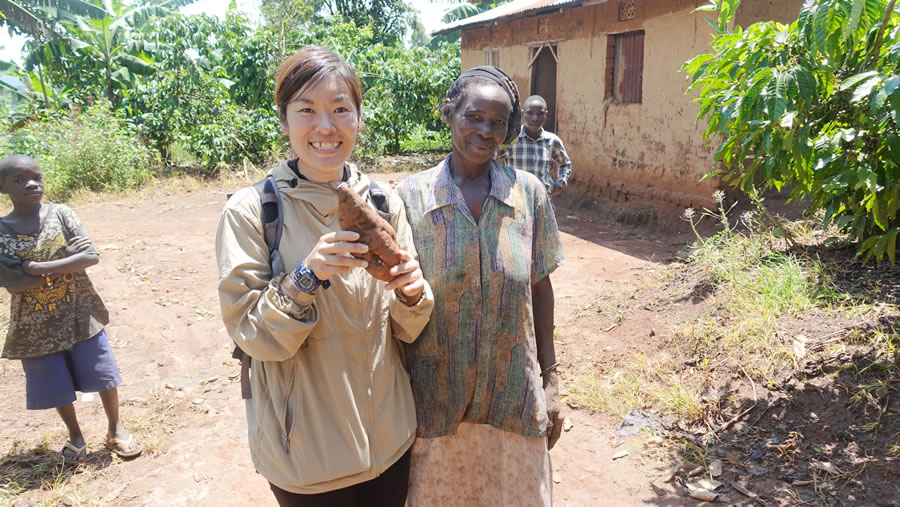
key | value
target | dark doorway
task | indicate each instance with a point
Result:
(543, 79)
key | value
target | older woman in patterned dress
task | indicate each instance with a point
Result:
(483, 370)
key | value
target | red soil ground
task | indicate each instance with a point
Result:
(181, 397)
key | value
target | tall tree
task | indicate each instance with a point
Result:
(280, 19)
(389, 18)
(9, 89)
(42, 21)
(813, 106)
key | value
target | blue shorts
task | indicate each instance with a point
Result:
(89, 367)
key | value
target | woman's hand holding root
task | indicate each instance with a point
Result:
(331, 255)
(408, 279)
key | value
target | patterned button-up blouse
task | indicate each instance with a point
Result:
(46, 320)
(476, 361)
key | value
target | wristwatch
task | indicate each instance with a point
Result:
(306, 280)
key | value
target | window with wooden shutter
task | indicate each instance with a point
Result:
(625, 67)
(491, 56)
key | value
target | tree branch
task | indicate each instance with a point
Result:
(876, 48)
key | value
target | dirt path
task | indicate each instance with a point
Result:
(180, 395)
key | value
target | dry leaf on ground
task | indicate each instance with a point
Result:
(702, 494)
(707, 484)
(826, 467)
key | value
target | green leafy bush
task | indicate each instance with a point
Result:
(423, 139)
(206, 85)
(258, 133)
(405, 89)
(815, 106)
(6, 110)
(91, 148)
(192, 100)
(235, 135)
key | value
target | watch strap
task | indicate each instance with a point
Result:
(307, 281)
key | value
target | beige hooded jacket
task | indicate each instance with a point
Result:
(332, 404)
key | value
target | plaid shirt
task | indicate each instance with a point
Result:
(541, 157)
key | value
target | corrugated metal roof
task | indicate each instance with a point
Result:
(514, 9)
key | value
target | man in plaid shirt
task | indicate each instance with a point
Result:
(537, 151)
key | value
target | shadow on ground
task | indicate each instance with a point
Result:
(42, 468)
(825, 431)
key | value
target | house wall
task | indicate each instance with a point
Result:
(784, 11)
(648, 151)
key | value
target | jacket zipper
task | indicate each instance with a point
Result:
(286, 413)
(370, 423)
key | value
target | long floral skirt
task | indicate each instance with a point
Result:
(480, 465)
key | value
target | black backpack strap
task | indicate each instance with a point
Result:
(242, 356)
(272, 220)
(379, 197)
(273, 225)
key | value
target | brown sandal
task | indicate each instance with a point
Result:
(79, 452)
(127, 448)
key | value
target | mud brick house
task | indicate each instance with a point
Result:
(609, 72)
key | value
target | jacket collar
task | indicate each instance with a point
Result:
(322, 196)
(444, 191)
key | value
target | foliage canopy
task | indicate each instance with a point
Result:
(199, 87)
(814, 106)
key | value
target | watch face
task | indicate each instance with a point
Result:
(306, 283)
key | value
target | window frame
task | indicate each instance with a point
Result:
(491, 56)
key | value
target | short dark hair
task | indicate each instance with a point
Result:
(12, 162)
(457, 91)
(308, 66)
(535, 98)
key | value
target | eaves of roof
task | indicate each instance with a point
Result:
(512, 10)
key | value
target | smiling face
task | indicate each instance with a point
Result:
(322, 122)
(24, 185)
(479, 123)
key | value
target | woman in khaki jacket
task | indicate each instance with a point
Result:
(331, 418)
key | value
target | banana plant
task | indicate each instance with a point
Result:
(107, 53)
(41, 19)
(462, 11)
(8, 89)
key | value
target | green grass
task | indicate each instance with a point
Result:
(614, 392)
(726, 255)
(752, 284)
(776, 285)
(37, 466)
(755, 286)
(743, 328)
(643, 382)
